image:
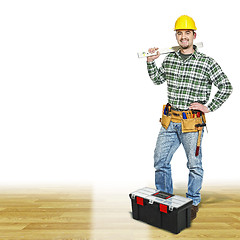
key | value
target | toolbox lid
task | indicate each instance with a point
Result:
(160, 197)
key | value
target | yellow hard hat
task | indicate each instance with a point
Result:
(185, 22)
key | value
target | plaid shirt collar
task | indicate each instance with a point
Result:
(195, 54)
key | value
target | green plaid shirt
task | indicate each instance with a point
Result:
(191, 80)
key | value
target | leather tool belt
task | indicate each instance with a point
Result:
(192, 121)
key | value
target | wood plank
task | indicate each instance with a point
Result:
(58, 226)
(74, 214)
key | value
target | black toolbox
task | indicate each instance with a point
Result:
(160, 209)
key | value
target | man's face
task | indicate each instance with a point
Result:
(185, 38)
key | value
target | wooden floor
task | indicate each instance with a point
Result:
(99, 214)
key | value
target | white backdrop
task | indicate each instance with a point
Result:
(77, 105)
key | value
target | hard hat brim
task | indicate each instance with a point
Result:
(194, 29)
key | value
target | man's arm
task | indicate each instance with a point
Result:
(220, 80)
(156, 75)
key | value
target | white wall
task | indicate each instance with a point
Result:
(77, 105)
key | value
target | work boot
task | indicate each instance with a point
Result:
(194, 211)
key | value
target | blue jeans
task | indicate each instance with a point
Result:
(167, 143)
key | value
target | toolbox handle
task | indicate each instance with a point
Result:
(151, 201)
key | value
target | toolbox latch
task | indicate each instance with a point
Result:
(133, 196)
(140, 201)
(163, 208)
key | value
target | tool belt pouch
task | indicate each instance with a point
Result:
(188, 125)
(165, 121)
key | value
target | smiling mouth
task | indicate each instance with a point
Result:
(184, 44)
(184, 41)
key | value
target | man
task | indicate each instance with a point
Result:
(189, 75)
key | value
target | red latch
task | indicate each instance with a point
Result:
(139, 201)
(163, 208)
